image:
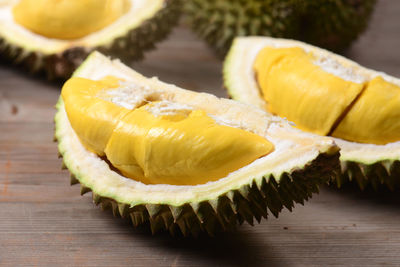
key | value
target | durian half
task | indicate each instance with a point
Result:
(293, 167)
(54, 37)
(327, 94)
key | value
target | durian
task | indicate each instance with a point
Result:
(332, 24)
(218, 22)
(54, 37)
(326, 94)
(182, 161)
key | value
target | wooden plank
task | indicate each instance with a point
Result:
(45, 222)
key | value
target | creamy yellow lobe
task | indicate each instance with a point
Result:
(301, 91)
(68, 19)
(321, 102)
(375, 116)
(181, 146)
(95, 117)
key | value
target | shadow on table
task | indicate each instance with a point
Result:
(236, 248)
(225, 249)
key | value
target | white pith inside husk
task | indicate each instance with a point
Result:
(242, 85)
(293, 149)
(130, 97)
(18, 35)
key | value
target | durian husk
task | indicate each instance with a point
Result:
(332, 24)
(212, 207)
(362, 164)
(335, 24)
(129, 47)
(219, 22)
(381, 173)
(249, 203)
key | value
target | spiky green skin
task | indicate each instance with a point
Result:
(128, 48)
(220, 21)
(231, 209)
(331, 24)
(334, 24)
(382, 173)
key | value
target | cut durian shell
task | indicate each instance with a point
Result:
(364, 164)
(146, 23)
(289, 175)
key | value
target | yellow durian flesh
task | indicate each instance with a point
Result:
(301, 91)
(375, 116)
(68, 19)
(321, 102)
(95, 117)
(180, 147)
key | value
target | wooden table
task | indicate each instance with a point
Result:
(45, 222)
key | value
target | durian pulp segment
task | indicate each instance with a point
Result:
(68, 19)
(21, 37)
(102, 116)
(375, 116)
(156, 142)
(301, 91)
(320, 99)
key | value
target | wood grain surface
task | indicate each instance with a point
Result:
(45, 222)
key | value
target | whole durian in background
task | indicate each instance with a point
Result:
(219, 21)
(54, 37)
(332, 24)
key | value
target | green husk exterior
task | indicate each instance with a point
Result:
(220, 21)
(380, 174)
(249, 203)
(334, 24)
(128, 48)
(331, 24)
